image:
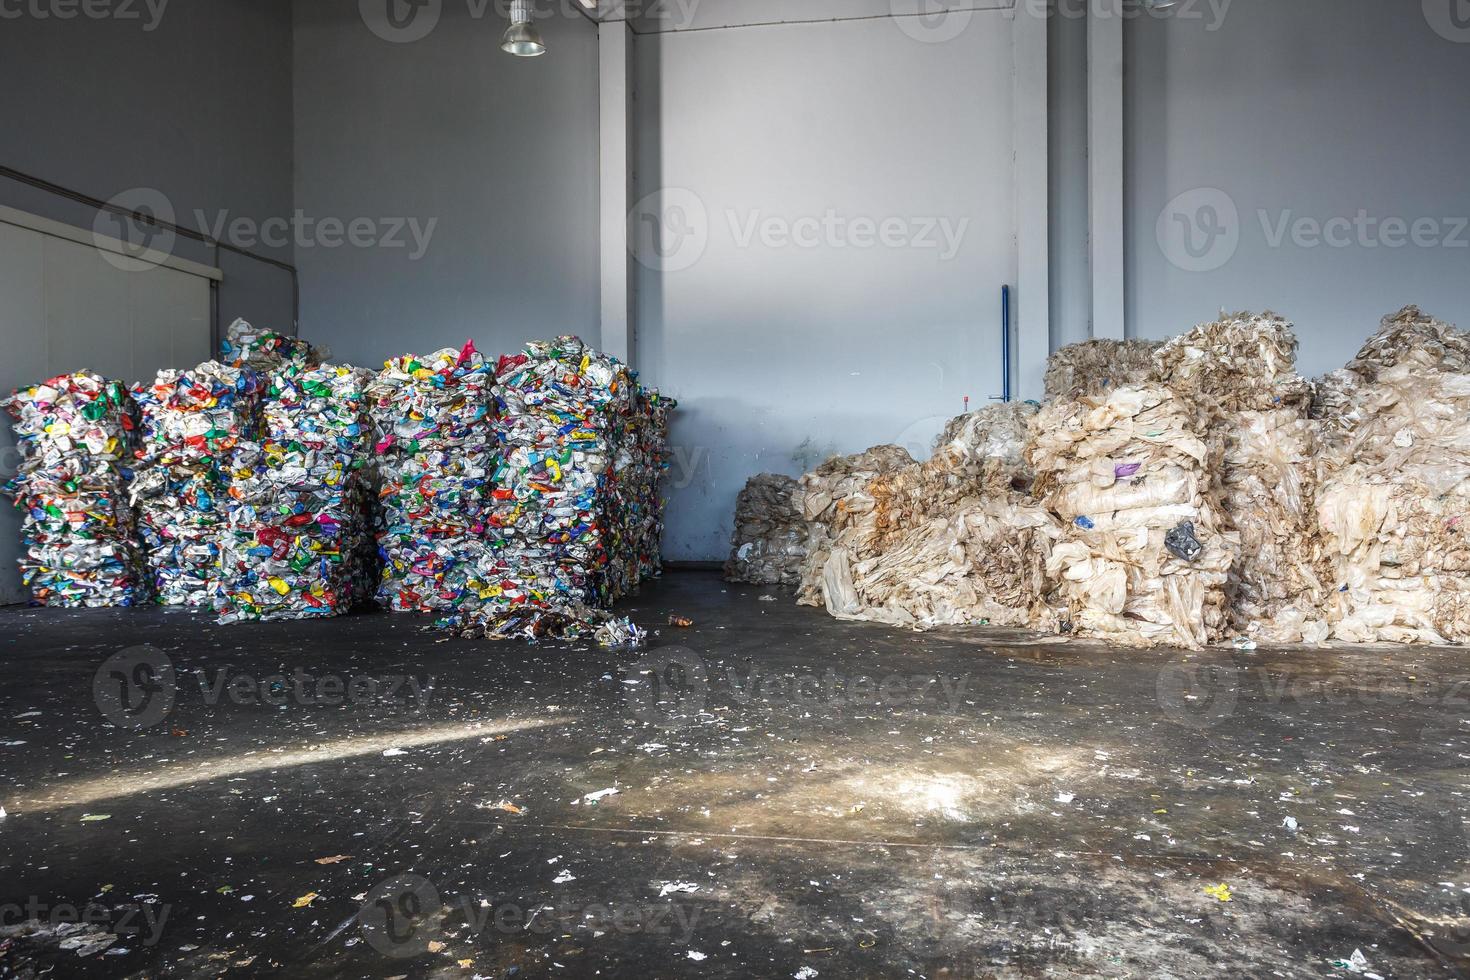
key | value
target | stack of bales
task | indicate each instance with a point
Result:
(1092, 367)
(954, 540)
(576, 499)
(191, 423)
(768, 546)
(299, 541)
(822, 499)
(1143, 557)
(435, 430)
(1394, 501)
(75, 440)
(1238, 373)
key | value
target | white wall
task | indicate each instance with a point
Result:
(782, 355)
(195, 105)
(500, 153)
(1305, 109)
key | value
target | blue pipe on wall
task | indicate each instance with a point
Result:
(1005, 343)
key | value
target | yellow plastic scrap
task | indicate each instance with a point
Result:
(1219, 892)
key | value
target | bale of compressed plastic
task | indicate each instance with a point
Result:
(820, 498)
(191, 423)
(75, 435)
(299, 540)
(1394, 504)
(954, 540)
(768, 544)
(1094, 366)
(1238, 373)
(434, 421)
(1142, 557)
(576, 490)
(266, 350)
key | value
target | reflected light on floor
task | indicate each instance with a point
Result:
(86, 792)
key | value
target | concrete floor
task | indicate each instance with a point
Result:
(795, 797)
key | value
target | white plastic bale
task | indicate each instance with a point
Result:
(1238, 374)
(951, 541)
(768, 545)
(1122, 471)
(1092, 367)
(1394, 508)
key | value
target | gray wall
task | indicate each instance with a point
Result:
(195, 103)
(779, 355)
(1309, 109)
(1070, 276)
(500, 152)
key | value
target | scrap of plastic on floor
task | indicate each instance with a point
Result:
(75, 435)
(1092, 367)
(1394, 503)
(768, 545)
(1144, 556)
(576, 493)
(191, 423)
(298, 542)
(1238, 373)
(434, 420)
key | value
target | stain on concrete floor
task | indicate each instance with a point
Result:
(794, 797)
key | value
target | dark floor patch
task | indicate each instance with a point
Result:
(794, 797)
